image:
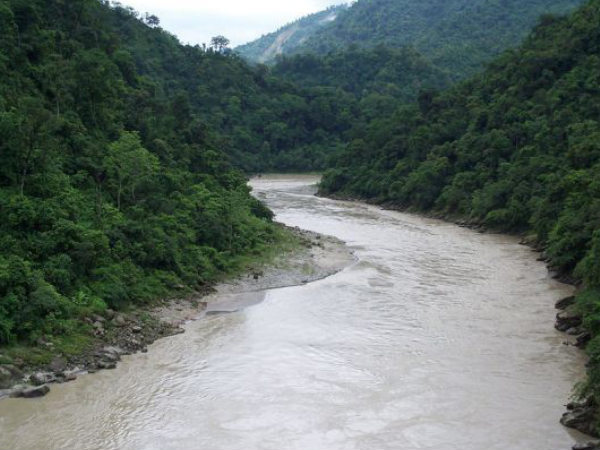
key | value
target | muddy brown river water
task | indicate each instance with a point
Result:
(436, 338)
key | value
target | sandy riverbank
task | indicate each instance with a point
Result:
(318, 257)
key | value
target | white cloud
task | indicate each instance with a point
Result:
(241, 21)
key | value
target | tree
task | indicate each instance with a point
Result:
(129, 164)
(26, 141)
(152, 20)
(219, 43)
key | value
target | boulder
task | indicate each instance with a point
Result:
(6, 378)
(136, 329)
(107, 365)
(111, 357)
(119, 321)
(35, 392)
(565, 302)
(110, 314)
(133, 343)
(17, 391)
(68, 375)
(580, 416)
(587, 446)
(583, 339)
(113, 350)
(41, 378)
(574, 418)
(567, 319)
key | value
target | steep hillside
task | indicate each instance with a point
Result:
(379, 75)
(113, 192)
(517, 148)
(288, 37)
(456, 35)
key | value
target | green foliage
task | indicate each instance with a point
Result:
(507, 149)
(114, 187)
(589, 267)
(129, 164)
(380, 77)
(459, 36)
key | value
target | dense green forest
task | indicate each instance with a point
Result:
(516, 148)
(458, 36)
(377, 76)
(260, 122)
(112, 190)
(288, 38)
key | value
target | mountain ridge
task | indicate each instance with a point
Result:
(458, 36)
(268, 47)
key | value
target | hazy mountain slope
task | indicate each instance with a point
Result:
(393, 75)
(289, 37)
(457, 35)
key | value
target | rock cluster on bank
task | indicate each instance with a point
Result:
(569, 320)
(116, 335)
(591, 445)
(580, 415)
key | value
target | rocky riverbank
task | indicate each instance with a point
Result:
(119, 334)
(580, 415)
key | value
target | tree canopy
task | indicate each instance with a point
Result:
(113, 189)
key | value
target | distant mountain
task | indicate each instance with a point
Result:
(288, 38)
(374, 75)
(457, 35)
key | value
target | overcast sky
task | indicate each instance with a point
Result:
(196, 21)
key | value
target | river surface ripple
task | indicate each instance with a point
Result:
(437, 338)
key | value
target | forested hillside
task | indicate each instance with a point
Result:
(459, 36)
(516, 148)
(289, 118)
(112, 190)
(381, 76)
(287, 38)
(260, 122)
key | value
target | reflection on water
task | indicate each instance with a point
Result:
(438, 338)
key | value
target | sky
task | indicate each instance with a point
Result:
(196, 21)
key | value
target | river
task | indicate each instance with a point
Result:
(437, 338)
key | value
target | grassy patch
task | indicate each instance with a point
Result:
(284, 241)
